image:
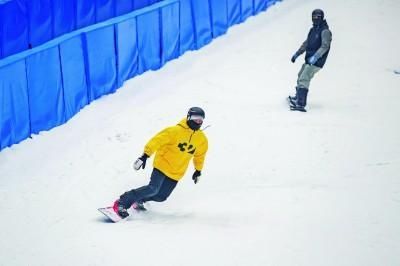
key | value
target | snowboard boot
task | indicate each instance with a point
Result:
(301, 102)
(120, 209)
(139, 206)
(293, 99)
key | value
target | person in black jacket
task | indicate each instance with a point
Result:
(316, 47)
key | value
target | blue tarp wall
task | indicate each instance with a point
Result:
(44, 87)
(29, 23)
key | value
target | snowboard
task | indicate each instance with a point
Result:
(111, 214)
(396, 71)
(115, 218)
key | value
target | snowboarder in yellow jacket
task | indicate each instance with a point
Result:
(174, 147)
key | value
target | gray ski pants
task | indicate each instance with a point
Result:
(305, 75)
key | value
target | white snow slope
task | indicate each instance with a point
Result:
(279, 188)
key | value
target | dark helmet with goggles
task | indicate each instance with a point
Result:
(317, 16)
(195, 117)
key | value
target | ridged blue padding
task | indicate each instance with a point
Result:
(43, 87)
(14, 104)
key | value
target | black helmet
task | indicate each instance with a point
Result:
(317, 16)
(195, 117)
(196, 111)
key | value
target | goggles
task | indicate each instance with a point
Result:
(197, 118)
(316, 17)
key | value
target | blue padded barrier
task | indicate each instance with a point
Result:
(127, 51)
(47, 85)
(138, 4)
(13, 27)
(202, 23)
(247, 9)
(148, 30)
(187, 35)
(64, 16)
(85, 13)
(14, 105)
(29, 23)
(234, 12)
(219, 17)
(170, 32)
(40, 21)
(123, 6)
(46, 99)
(1, 40)
(101, 61)
(260, 5)
(105, 9)
(73, 76)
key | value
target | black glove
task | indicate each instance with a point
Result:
(140, 162)
(294, 57)
(196, 176)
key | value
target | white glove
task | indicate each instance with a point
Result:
(137, 164)
(140, 162)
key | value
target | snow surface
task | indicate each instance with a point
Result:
(279, 188)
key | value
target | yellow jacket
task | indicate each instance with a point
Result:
(175, 146)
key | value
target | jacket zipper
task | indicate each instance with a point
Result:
(190, 139)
